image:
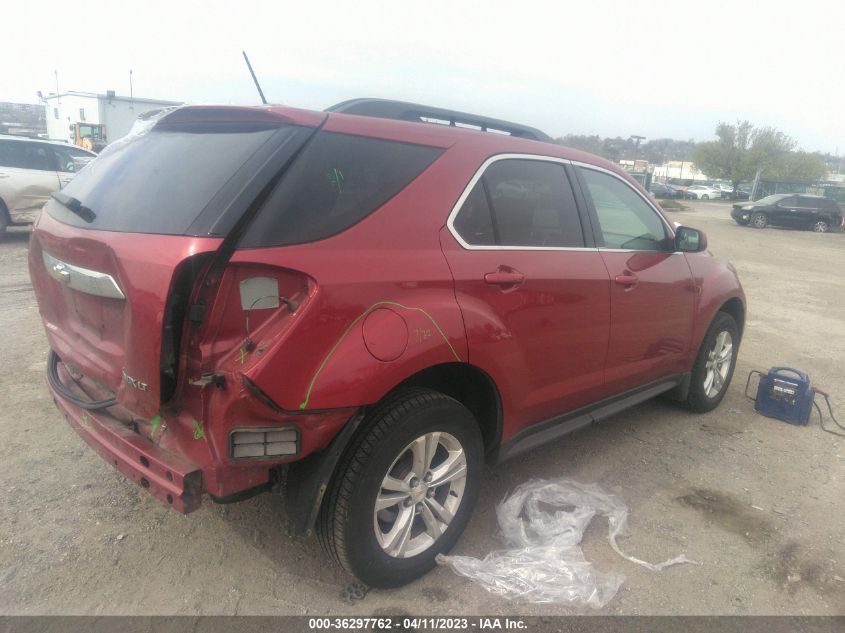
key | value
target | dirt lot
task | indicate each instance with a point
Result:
(758, 502)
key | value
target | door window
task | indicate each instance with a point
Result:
(626, 220)
(24, 155)
(70, 159)
(808, 203)
(521, 202)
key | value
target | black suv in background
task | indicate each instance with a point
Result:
(800, 211)
(659, 190)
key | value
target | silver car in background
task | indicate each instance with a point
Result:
(30, 170)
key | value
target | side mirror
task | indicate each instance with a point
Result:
(688, 240)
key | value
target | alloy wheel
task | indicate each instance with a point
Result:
(821, 226)
(420, 494)
(718, 364)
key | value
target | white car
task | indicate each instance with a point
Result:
(702, 192)
(30, 170)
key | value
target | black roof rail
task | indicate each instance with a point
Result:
(403, 111)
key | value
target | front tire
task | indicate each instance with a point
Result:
(821, 226)
(405, 489)
(705, 197)
(759, 220)
(714, 365)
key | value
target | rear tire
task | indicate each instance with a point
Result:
(714, 365)
(705, 197)
(759, 220)
(397, 543)
(821, 226)
(4, 218)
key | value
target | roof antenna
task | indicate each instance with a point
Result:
(252, 72)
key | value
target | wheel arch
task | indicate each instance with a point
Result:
(736, 309)
(307, 480)
(832, 224)
(473, 388)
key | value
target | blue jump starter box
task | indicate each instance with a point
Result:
(785, 394)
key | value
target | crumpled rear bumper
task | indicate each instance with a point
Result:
(171, 478)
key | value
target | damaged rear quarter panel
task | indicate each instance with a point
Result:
(392, 261)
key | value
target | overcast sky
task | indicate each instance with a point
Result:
(658, 69)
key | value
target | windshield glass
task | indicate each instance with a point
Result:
(90, 131)
(161, 181)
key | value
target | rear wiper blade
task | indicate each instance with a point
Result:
(71, 203)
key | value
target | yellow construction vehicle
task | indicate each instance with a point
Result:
(91, 136)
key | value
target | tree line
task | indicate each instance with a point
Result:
(739, 152)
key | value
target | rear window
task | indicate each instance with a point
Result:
(336, 182)
(162, 181)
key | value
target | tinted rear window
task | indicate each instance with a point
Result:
(161, 181)
(337, 181)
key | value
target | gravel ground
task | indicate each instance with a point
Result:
(757, 502)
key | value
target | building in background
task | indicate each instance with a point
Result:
(636, 166)
(678, 171)
(71, 114)
(640, 170)
(23, 119)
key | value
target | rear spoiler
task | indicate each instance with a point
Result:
(273, 115)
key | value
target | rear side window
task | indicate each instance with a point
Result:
(521, 203)
(337, 181)
(162, 181)
(25, 155)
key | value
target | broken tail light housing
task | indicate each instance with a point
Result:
(264, 443)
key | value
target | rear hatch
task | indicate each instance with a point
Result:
(114, 257)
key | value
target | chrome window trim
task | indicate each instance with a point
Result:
(450, 222)
(81, 279)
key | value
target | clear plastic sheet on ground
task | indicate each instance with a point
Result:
(543, 522)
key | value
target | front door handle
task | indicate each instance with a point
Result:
(504, 278)
(626, 280)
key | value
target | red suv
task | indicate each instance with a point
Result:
(362, 307)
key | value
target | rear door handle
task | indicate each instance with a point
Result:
(504, 278)
(626, 280)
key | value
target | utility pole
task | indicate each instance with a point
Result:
(58, 98)
(131, 93)
(755, 185)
